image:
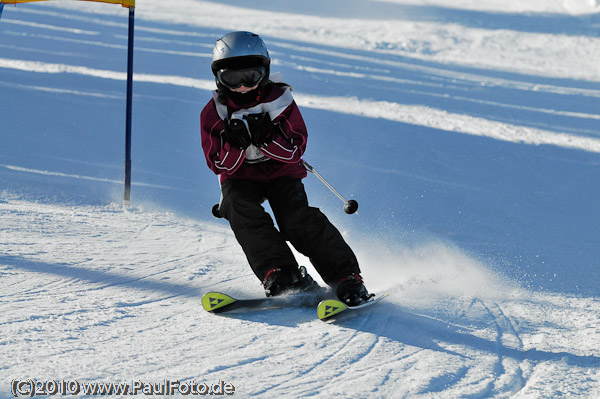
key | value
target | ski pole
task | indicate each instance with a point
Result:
(350, 206)
(216, 209)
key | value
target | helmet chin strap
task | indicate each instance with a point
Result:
(244, 98)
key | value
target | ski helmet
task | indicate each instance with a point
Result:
(240, 50)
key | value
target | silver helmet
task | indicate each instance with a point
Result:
(238, 50)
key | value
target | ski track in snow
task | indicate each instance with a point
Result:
(418, 115)
(99, 293)
(102, 293)
(389, 69)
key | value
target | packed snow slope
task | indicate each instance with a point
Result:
(468, 131)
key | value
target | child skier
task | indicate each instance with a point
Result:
(253, 136)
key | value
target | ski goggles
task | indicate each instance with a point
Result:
(236, 78)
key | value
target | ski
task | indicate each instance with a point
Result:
(331, 309)
(217, 302)
(327, 309)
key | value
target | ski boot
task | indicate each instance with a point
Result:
(352, 291)
(279, 281)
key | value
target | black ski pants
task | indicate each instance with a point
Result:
(307, 228)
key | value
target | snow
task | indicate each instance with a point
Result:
(466, 130)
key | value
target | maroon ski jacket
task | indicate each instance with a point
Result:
(281, 157)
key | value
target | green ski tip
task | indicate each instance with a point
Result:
(329, 308)
(212, 301)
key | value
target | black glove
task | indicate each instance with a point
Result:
(262, 128)
(236, 134)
